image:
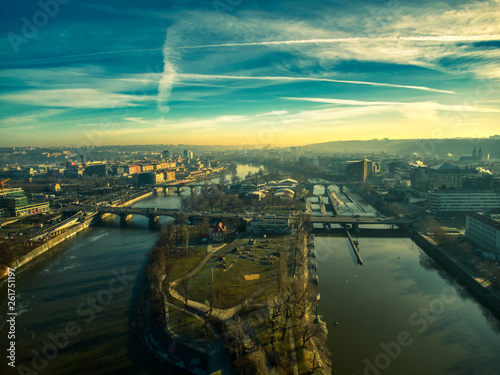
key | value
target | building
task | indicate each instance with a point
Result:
(150, 178)
(73, 173)
(476, 156)
(146, 167)
(131, 169)
(99, 170)
(32, 209)
(14, 202)
(463, 200)
(443, 176)
(270, 225)
(483, 231)
(217, 232)
(361, 170)
(188, 154)
(166, 154)
(169, 176)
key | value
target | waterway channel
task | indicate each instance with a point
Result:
(399, 313)
(91, 280)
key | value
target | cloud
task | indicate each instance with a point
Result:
(74, 98)
(273, 113)
(187, 76)
(401, 106)
(428, 38)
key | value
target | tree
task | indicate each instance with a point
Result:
(185, 237)
(235, 179)
(6, 254)
(395, 209)
(184, 287)
(205, 227)
(429, 224)
(307, 329)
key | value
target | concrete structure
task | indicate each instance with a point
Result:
(461, 200)
(484, 232)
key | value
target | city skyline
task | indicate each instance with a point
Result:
(238, 73)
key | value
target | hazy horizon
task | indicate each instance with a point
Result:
(251, 73)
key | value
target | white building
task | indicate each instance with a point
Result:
(484, 232)
(270, 225)
(460, 200)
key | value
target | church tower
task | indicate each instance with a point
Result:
(480, 154)
(474, 153)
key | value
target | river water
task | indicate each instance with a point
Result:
(81, 297)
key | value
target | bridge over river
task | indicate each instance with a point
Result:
(126, 213)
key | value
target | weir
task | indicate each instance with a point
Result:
(354, 247)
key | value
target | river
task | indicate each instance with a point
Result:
(81, 296)
(75, 303)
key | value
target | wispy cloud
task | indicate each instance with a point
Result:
(187, 76)
(422, 106)
(74, 98)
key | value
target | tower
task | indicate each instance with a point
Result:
(474, 153)
(480, 154)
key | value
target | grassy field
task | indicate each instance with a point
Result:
(181, 264)
(239, 270)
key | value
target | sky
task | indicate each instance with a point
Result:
(240, 72)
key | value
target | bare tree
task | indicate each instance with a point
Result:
(185, 237)
(185, 289)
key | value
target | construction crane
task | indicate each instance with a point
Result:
(3, 182)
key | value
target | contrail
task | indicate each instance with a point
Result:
(282, 78)
(425, 38)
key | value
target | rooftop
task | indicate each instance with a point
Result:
(486, 220)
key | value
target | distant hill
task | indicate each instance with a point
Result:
(440, 147)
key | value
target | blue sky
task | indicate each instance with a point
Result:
(243, 72)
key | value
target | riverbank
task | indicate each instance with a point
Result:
(69, 233)
(49, 244)
(485, 295)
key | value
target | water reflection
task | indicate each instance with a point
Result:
(399, 289)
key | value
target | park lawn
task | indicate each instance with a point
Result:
(235, 288)
(182, 264)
